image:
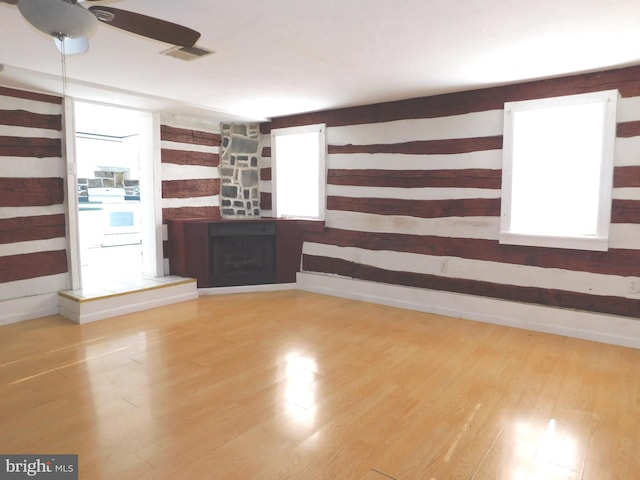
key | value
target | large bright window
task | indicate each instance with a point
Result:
(298, 172)
(557, 171)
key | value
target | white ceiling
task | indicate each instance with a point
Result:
(281, 57)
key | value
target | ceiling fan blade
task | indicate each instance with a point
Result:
(149, 27)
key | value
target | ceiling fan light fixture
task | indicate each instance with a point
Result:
(58, 18)
(72, 46)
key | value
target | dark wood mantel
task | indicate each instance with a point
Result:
(190, 247)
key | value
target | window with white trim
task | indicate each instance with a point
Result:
(557, 171)
(298, 172)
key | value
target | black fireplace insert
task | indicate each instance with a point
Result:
(242, 253)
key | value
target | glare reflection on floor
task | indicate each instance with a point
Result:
(554, 454)
(300, 388)
(115, 392)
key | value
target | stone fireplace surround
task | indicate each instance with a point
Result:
(240, 170)
(268, 249)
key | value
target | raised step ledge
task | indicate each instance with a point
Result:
(82, 309)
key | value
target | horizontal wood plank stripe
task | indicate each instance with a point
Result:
(32, 246)
(485, 159)
(184, 135)
(166, 249)
(460, 227)
(625, 211)
(626, 151)
(190, 188)
(628, 129)
(476, 207)
(30, 147)
(34, 106)
(626, 176)
(22, 118)
(209, 201)
(31, 192)
(479, 270)
(449, 146)
(32, 265)
(266, 201)
(414, 193)
(623, 79)
(10, 92)
(26, 167)
(623, 235)
(189, 212)
(185, 157)
(28, 132)
(622, 262)
(12, 212)
(542, 296)
(23, 229)
(472, 125)
(171, 171)
(467, 178)
(265, 174)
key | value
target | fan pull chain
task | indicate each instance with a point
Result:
(63, 58)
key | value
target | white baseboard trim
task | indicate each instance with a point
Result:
(271, 287)
(20, 309)
(610, 329)
(598, 327)
(121, 304)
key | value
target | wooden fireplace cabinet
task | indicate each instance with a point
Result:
(194, 242)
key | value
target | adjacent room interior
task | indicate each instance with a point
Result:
(108, 170)
(341, 240)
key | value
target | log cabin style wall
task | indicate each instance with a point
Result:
(189, 170)
(33, 247)
(413, 200)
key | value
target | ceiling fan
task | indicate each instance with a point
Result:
(69, 23)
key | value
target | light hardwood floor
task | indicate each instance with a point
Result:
(294, 385)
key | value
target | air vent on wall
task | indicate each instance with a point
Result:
(187, 53)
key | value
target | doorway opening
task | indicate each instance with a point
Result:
(112, 150)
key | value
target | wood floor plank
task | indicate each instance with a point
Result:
(290, 385)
